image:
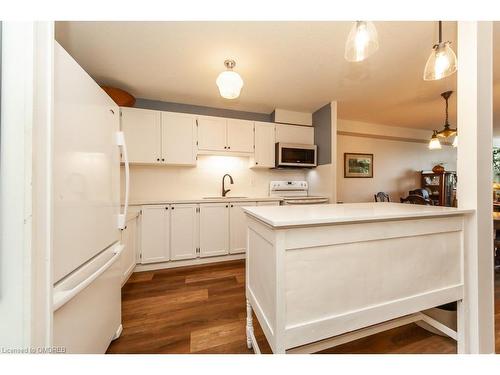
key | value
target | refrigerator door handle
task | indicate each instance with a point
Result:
(64, 296)
(122, 217)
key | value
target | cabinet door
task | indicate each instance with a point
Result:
(264, 145)
(214, 229)
(129, 239)
(294, 134)
(212, 133)
(178, 138)
(183, 231)
(155, 234)
(239, 135)
(143, 134)
(238, 227)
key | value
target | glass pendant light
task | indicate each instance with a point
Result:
(434, 143)
(442, 62)
(229, 82)
(362, 41)
(455, 142)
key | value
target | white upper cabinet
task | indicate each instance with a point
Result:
(155, 234)
(214, 229)
(143, 134)
(294, 134)
(264, 145)
(238, 227)
(221, 134)
(183, 231)
(178, 138)
(239, 135)
(212, 133)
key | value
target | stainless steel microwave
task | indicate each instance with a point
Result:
(296, 155)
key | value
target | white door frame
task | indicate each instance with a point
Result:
(25, 185)
(474, 168)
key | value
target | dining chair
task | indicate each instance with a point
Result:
(416, 199)
(422, 192)
(382, 197)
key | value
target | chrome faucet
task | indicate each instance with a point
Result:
(224, 191)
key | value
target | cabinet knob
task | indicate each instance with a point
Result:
(158, 159)
(256, 163)
(229, 147)
(162, 159)
(227, 205)
(232, 206)
(173, 208)
(225, 147)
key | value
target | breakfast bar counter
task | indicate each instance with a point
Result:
(322, 275)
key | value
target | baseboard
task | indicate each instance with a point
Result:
(188, 262)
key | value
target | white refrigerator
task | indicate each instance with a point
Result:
(86, 213)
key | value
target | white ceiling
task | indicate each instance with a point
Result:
(290, 65)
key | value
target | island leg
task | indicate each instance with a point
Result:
(250, 332)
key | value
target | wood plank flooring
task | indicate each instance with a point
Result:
(201, 309)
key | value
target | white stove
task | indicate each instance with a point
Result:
(294, 192)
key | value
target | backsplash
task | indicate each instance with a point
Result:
(149, 183)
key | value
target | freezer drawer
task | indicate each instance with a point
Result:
(87, 305)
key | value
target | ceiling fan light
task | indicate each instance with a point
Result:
(434, 143)
(441, 63)
(229, 82)
(362, 41)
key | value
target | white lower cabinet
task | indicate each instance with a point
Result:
(187, 231)
(155, 234)
(183, 231)
(238, 227)
(214, 229)
(128, 257)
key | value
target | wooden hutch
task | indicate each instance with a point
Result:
(442, 187)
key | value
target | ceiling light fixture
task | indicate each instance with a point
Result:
(447, 131)
(229, 82)
(434, 143)
(442, 62)
(362, 41)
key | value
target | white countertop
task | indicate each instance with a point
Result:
(289, 216)
(206, 200)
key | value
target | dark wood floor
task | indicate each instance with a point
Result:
(202, 310)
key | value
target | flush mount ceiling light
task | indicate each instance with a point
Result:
(442, 62)
(434, 143)
(362, 41)
(229, 82)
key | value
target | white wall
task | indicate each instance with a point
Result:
(396, 163)
(152, 183)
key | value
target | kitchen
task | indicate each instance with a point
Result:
(195, 170)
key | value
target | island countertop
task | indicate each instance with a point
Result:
(291, 216)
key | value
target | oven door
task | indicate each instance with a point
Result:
(296, 155)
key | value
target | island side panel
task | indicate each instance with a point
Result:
(261, 282)
(340, 278)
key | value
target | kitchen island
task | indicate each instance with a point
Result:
(322, 275)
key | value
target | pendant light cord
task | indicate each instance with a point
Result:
(440, 32)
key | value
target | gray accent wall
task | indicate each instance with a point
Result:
(200, 110)
(322, 122)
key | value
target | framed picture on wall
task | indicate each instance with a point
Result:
(358, 165)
